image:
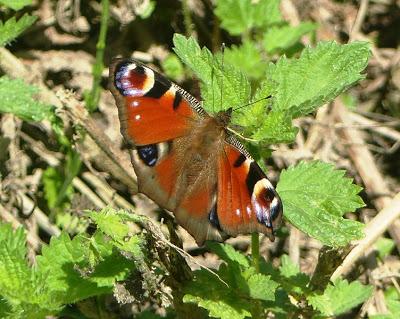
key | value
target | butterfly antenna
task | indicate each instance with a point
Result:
(222, 70)
(253, 102)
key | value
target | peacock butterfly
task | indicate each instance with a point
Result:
(187, 161)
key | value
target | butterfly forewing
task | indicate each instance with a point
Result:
(186, 161)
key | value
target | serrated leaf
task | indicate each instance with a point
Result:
(22, 287)
(239, 16)
(315, 196)
(282, 37)
(16, 4)
(110, 223)
(227, 253)
(13, 28)
(222, 86)
(17, 98)
(277, 128)
(317, 76)
(293, 280)
(65, 261)
(340, 297)
(262, 287)
(210, 293)
(247, 58)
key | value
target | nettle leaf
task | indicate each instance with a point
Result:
(317, 76)
(16, 4)
(60, 260)
(280, 38)
(21, 286)
(114, 223)
(228, 253)
(315, 196)
(231, 294)
(276, 128)
(210, 293)
(292, 280)
(110, 223)
(13, 28)
(262, 287)
(215, 78)
(247, 58)
(17, 98)
(340, 297)
(239, 16)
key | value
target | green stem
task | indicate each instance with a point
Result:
(255, 250)
(94, 95)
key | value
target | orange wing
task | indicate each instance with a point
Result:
(247, 201)
(227, 194)
(151, 108)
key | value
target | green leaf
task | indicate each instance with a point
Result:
(146, 9)
(208, 292)
(17, 98)
(315, 196)
(222, 86)
(16, 4)
(340, 297)
(22, 287)
(262, 287)
(239, 16)
(281, 38)
(247, 58)
(60, 261)
(318, 76)
(13, 28)
(384, 246)
(277, 128)
(227, 253)
(173, 67)
(292, 279)
(110, 223)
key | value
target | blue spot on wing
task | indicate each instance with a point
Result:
(148, 154)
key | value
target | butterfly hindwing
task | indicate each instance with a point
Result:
(186, 161)
(247, 201)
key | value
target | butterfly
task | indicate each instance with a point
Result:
(187, 161)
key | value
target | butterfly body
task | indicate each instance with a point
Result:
(187, 161)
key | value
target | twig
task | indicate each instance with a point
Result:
(366, 167)
(375, 228)
(85, 190)
(107, 192)
(362, 11)
(294, 245)
(120, 166)
(41, 218)
(32, 238)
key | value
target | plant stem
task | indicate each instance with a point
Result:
(187, 18)
(255, 250)
(94, 95)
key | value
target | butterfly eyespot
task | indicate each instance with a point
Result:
(148, 154)
(132, 79)
(187, 161)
